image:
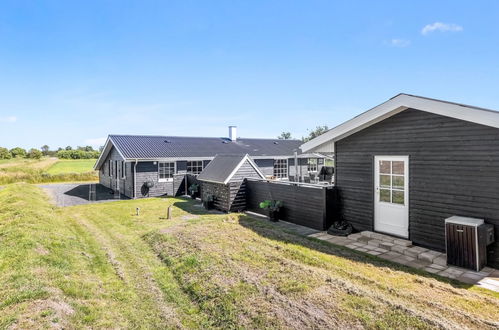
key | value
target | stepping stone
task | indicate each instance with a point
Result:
(442, 260)
(414, 251)
(386, 245)
(374, 242)
(438, 267)
(366, 233)
(429, 255)
(399, 248)
(432, 270)
(374, 253)
(402, 242)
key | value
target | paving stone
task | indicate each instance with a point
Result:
(473, 275)
(399, 248)
(370, 247)
(393, 254)
(467, 280)
(438, 267)
(419, 264)
(363, 239)
(354, 236)
(442, 260)
(404, 260)
(387, 239)
(381, 250)
(487, 270)
(376, 236)
(432, 270)
(402, 242)
(389, 256)
(386, 245)
(366, 233)
(374, 253)
(374, 242)
(455, 271)
(413, 251)
(361, 249)
(350, 246)
(429, 255)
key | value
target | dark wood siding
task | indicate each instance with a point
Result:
(453, 170)
(305, 206)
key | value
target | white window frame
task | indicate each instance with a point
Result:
(197, 166)
(277, 174)
(172, 174)
(310, 165)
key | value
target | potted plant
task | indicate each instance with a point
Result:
(194, 190)
(208, 200)
(274, 207)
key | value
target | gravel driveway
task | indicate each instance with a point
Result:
(69, 194)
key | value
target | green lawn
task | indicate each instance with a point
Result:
(72, 166)
(46, 170)
(101, 266)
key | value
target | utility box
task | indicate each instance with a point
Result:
(466, 242)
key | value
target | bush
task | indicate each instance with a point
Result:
(77, 154)
(4, 153)
(34, 153)
(18, 152)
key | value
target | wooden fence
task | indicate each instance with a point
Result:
(307, 205)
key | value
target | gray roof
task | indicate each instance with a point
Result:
(221, 167)
(151, 147)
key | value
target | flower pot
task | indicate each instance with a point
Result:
(274, 215)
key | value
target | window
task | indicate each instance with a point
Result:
(123, 170)
(166, 171)
(281, 168)
(391, 182)
(328, 162)
(109, 168)
(195, 166)
(116, 169)
(312, 165)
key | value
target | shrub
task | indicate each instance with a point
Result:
(18, 152)
(34, 153)
(4, 153)
(77, 154)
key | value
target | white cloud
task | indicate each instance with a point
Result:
(8, 119)
(400, 42)
(442, 27)
(97, 142)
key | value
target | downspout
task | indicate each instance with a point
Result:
(296, 167)
(135, 179)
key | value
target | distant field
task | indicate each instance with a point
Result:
(72, 166)
(46, 170)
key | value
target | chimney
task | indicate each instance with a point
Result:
(233, 133)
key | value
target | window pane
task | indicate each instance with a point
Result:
(398, 182)
(384, 166)
(398, 167)
(384, 195)
(397, 197)
(281, 168)
(384, 181)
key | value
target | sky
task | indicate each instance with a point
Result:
(72, 72)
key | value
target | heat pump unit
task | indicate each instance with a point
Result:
(466, 242)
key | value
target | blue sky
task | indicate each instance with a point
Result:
(71, 73)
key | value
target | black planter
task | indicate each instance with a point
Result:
(273, 215)
(341, 228)
(208, 205)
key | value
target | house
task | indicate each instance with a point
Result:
(224, 179)
(406, 165)
(141, 166)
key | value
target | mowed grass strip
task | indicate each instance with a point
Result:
(101, 266)
(72, 166)
(46, 170)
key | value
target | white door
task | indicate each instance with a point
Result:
(391, 198)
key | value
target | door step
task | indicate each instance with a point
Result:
(382, 241)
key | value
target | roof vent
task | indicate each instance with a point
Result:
(225, 141)
(275, 142)
(168, 141)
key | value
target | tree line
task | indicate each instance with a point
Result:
(312, 133)
(86, 152)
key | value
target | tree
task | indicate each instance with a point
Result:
(34, 153)
(319, 130)
(45, 150)
(18, 152)
(4, 153)
(284, 136)
(69, 148)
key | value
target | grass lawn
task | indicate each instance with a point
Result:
(100, 266)
(72, 166)
(46, 170)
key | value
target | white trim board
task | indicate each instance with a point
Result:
(252, 163)
(396, 105)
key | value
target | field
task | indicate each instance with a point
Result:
(101, 266)
(46, 170)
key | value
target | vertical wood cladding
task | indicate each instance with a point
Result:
(453, 170)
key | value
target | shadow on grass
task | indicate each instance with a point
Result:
(276, 232)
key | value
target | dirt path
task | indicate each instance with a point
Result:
(133, 268)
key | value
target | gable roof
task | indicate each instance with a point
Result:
(147, 147)
(223, 167)
(397, 104)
